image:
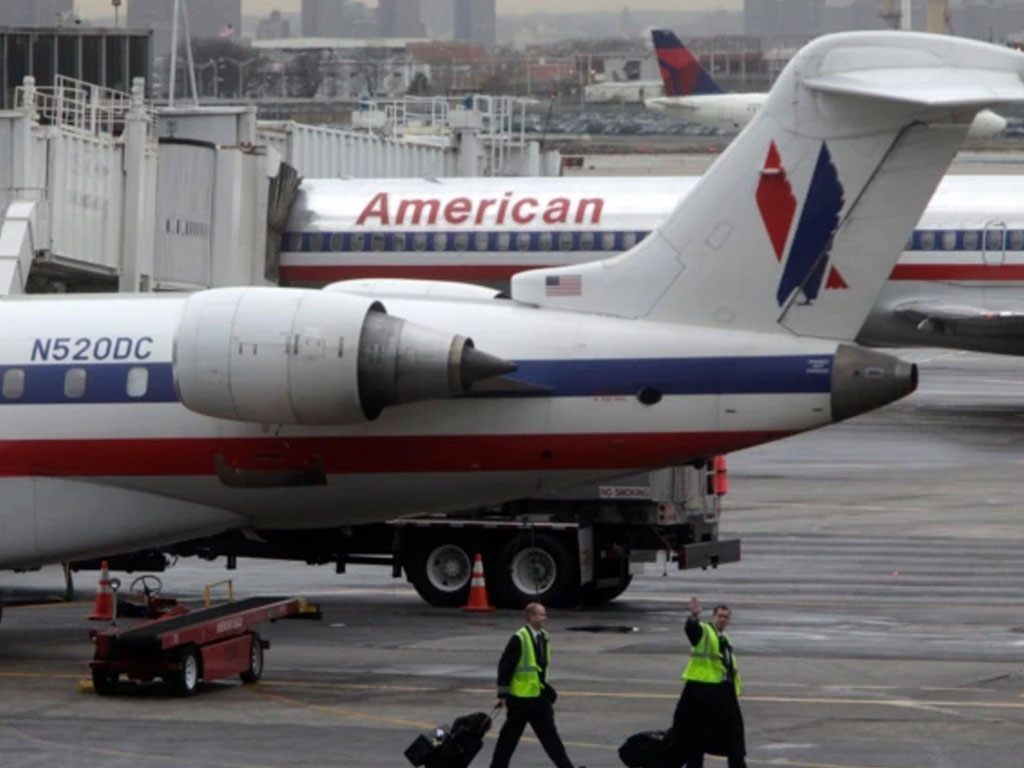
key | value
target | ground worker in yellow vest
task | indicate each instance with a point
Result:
(708, 717)
(524, 691)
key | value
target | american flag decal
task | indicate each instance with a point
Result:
(563, 285)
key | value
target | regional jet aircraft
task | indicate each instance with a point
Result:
(134, 421)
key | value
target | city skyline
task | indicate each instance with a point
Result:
(103, 8)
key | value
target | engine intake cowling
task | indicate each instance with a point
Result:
(290, 356)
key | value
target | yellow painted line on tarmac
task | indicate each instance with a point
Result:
(41, 675)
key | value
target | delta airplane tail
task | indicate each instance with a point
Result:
(796, 227)
(681, 71)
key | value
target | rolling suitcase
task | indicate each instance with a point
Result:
(451, 747)
(649, 749)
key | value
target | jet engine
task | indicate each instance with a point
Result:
(291, 356)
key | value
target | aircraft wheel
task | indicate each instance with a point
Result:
(441, 571)
(537, 567)
(255, 670)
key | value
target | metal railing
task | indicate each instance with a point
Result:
(82, 107)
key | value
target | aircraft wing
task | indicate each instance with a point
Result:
(984, 317)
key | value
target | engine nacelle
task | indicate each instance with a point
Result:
(291, 356)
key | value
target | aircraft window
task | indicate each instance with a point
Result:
(337, 241)
(971, 240)
(1015, 240)
(138, 381)
(480, 239)
(927, 240)
(74, 382)
(440, 242)
(544, 241)
(14, 383)
(502, 240)
(461, 241)
(295, 242)
(628, 240)
(523, 241)
(608, 241)
(994, 240)
(398, 242)
(419, 241)
(357, 241)
(377, 241)
(565, 241)
(949, 240)
(586, 241)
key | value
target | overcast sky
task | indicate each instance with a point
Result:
(103, 8)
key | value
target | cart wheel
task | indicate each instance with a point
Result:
(185, 681)
(255, 670)
(104, 682)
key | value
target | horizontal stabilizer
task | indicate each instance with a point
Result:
(989, 317)
(927, 86)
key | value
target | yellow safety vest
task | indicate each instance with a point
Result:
(707, 665)
(526, 681)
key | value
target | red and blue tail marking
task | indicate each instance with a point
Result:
(681, 72)
(808, 254)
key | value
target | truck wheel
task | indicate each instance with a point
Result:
(441, 571)
(104, 682)
(537, 567)
(185, 681)
(602, 595)
(255, 670)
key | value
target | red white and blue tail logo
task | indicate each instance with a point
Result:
(805, 263)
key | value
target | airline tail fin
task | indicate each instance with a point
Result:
(797, 225)
(681, 71)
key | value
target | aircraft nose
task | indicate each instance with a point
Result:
(863, 379)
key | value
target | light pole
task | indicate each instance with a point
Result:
(117, 5)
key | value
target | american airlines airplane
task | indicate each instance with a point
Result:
(691, 94)
(134, 421)
(959, 282)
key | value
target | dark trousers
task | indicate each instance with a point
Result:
(708, 719)
(541, 717)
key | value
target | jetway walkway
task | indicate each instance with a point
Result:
(100, 191)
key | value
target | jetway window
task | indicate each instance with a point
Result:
(949, 240)
(927, 240)
(565, 241)
(398, 242)
(971, 240)
(994, 240)
(1015, 240)
(586, 241)
(44, 54)
(480, 241)
(419, 241)
(117, 62)
(138, 382)
(544, 241)
(67, 56)
(74, 382)
(502, 240)
(14, 383)
(357, 241)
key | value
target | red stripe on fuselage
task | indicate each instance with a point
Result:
(366, 455)
(941, 272)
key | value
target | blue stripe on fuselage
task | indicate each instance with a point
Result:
(108, 382)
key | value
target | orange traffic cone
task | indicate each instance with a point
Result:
(103, 606)
(478, 588)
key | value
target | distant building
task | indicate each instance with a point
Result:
(475, 20)
(785, 18)
(274, 27)
(399, 18)
(439, 18)
(35, 13)
(106, 57)
(323, 18)
(208, 18)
